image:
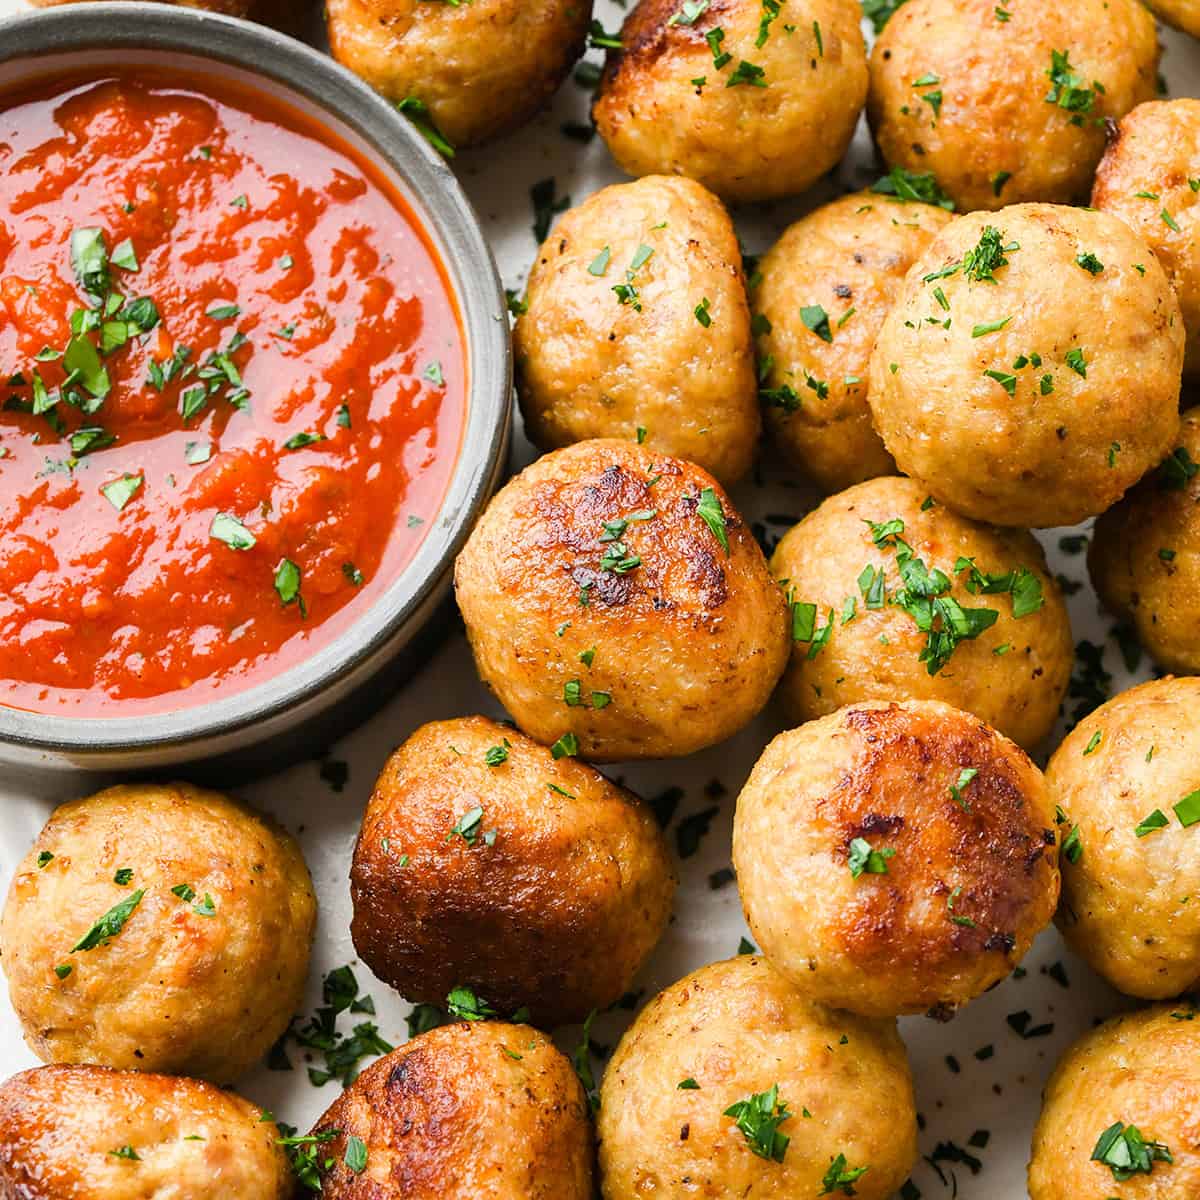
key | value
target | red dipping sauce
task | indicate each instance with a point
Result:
(232, 391)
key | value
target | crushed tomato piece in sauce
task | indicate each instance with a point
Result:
(259, 406)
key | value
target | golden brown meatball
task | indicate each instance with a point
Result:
(159, 927)
(851, 563)
(734, 1032)
(480, 68)
(231, 8)
(1183, 14)
(637, 326)
(1120, 1113)
(754, 101)
(1008, 109)
(485, 861)
(68, 1132)
(919, 862)
(616, 595)
(1146, 179)
(1029, 373)
(825, 288)
(1130, 872)
(481, 1111)
(1145, 556)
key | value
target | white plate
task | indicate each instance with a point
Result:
(963, 1092)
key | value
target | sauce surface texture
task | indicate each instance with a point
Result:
(233, 391)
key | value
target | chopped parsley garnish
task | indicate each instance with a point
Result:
(356, 1154)
(863, 858)
(126, 1152)
(1090, 263)
(305, 1156)
(417, 111)
(841, 1177)
(1177, 470)
(287, 584)
(989, 255)
(1123, 1149)
(627, 292)
(702, 313)
(758, 1118)
(959, 786)
(567, 746)
(957, 918)
(184, 891)
(1093, 742)
(878, 12)
(120, 491)
(599, 264)
(352, 573)
(497, 755)
(224, 312)
(1148, 824)
(1068, 90)
(1188, 809)
(599, 39)
(690, 12)
(747, 73)
(433, 374)
(468, 827)
(111, 924)
(228, 529)
(464, 1005)
(123, 876)
(913, 186)
(44, 859)
(546, 206)
(710, 511)
(299, 440)
(1075, 360)
(816, 320)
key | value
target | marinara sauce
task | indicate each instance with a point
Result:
(233, 388)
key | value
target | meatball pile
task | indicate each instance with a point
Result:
(939, 366)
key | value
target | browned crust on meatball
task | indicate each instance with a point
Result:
(59, 1125)
(466, 1112)
(688, 644)
(973, 879)
(555, 914)
(1000, 844)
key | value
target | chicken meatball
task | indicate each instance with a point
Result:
(158, 927)
(614, 596)
(76, 1131)
(477, 69)
(1183, 14)
(484, 860)
(1029, 373)
(637, 326)
(989, 633)
(1145, 556)
(824, 290)
(480, 1111)
(230, 8)
(732, 1083)
(1120, 1113)
(1146, 178)
(755, 101)
(1127, 784)
(1008, 108)
(919, 863)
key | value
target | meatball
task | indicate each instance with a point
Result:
(158, 927)
(1029, 373)
(480, 1111)
(1127, 782)
(615, 596)
(1120, 1112)
(483, 860)
(1145, 556)
(755, 101)
(837, 1089)
(230, 8)
(75, 1131)
(479, 69)
(1006, 109)
(1146, 179)
(824, 290)
(637, 326)
(919, 862)
(1183, 14)
(851, 566)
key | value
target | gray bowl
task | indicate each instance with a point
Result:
(304, 708)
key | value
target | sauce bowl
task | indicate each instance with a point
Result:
(303, 708)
